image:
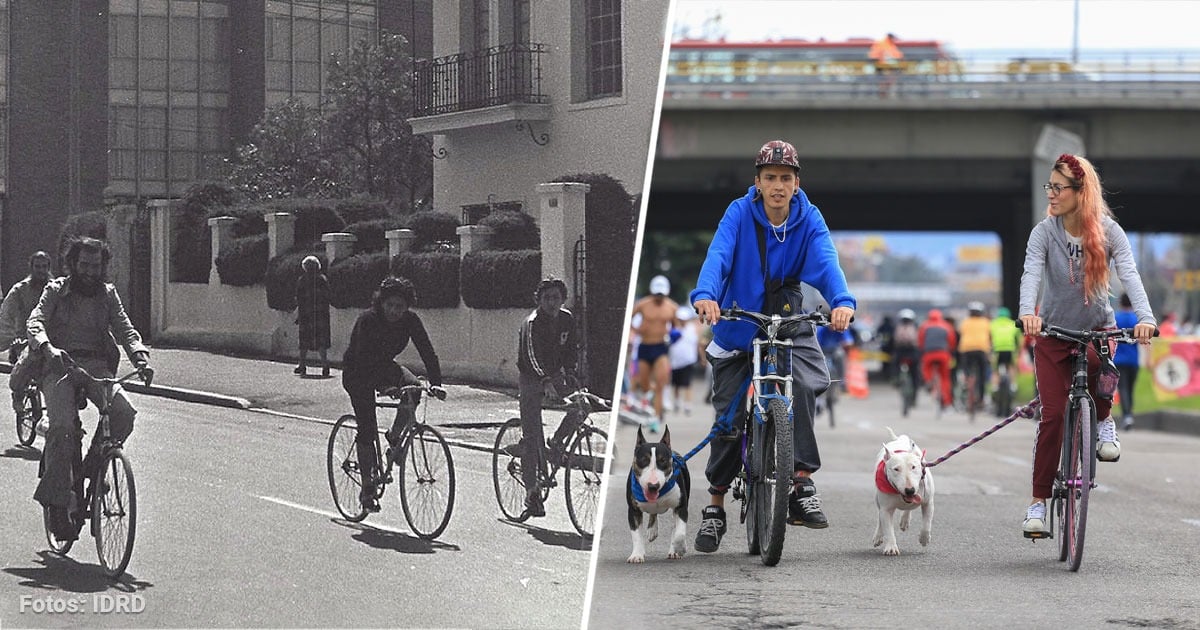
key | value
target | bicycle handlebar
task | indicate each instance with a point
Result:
(816, 317)
(582, 394)
(1120, 335)
(145, 372)
(422, 385)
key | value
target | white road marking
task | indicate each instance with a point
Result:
(300, 506)
(1015, 461)
(1192, 521)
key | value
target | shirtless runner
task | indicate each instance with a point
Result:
(658, 318)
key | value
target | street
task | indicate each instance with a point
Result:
(237, 527)
(1143, 531)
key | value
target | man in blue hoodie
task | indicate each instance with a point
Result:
(774, 222)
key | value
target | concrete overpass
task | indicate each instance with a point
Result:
(937, 162)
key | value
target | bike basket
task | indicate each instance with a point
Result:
(1106, 382)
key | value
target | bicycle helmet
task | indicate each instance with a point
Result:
(547, 283)
(395, 285)
(975, 307)
(778, 152)
(1003, 312)
(907, 313)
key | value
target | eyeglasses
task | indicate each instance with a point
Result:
(1058, 188)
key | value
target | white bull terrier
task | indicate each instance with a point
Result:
(902, 482)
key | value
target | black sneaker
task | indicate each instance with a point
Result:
(804, 505)
(712, 528)
(534, 508)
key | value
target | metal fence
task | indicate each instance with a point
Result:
(511, 73)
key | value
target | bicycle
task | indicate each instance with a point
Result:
(113, 510)
(908, 388)
(32, 405)
(583, 455)
(1076, 474)
(832, 364)
(1004, 391)
(765, 481)
(426, 466)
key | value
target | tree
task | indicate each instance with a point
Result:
(370, 101)
(285, 156)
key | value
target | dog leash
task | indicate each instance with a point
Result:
(1027, 411)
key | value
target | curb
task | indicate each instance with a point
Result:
(188, 395)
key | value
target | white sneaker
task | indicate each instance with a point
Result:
(1108, 447)
(1035, 521)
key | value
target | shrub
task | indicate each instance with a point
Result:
(501, 279)
(431, 226)
(282, 272)
(244, 261)
(512, 230)
(352, 280)
(434, 276)
(314, 217)
(358, 210)
(191, 255)
(93, 224)
(248, 220)
(372, 235)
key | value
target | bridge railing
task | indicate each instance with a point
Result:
(1105, 75)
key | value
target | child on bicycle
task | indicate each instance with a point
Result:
(775, 224)
(379, 335)
(1068, 259)
(547, 355)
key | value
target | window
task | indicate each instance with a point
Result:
(603, 23)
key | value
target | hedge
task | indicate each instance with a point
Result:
(93, 224)
(501, 279)
(358, 210)
(281, 275)
(431, 226)
(434, 276)
(191, 255)
(353, 280)
(314, 217)
(244, 262)
(512, 230)
(372, 235)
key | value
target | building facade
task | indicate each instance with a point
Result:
(137, 99)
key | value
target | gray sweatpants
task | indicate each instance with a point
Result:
(810, 379)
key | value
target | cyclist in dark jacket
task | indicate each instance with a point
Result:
(379, 335)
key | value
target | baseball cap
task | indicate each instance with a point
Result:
(660, 285)
(778, 152)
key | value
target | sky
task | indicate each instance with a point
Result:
(973, 25)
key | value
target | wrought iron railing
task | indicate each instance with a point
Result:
(511, 73)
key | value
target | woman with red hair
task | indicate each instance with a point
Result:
(1068, 259)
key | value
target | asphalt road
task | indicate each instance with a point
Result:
(1139, 565)
(237, 529)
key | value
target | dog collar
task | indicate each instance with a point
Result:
(640, 496)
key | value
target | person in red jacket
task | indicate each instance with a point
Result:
(936, 339)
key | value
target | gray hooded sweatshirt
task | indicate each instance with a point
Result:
(1048, 269)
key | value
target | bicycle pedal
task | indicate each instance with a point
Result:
(1036, 536)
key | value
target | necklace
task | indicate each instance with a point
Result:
(775, 230)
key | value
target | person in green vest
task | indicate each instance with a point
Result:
(1006, 341)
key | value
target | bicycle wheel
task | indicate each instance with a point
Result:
(972, 396)
(427, 482)
(935, 390)
(341, 463)
(775, 482)
(750, 497)
(907, 393)
(1080, 453)
(114, 512)
(59, 547)
(1003, 396)
(584, 470)
(28, 418)
(506, 471)
(831, 402)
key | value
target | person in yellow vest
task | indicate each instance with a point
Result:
(1006, 339)
(975, 347)
(886, 55)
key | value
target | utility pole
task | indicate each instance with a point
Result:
(1075, 38)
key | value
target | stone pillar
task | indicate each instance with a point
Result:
(473, 237)
(561, 221)
(281, 232)
(222, 234)
(162, 212)
(338, 245)
(400, 241)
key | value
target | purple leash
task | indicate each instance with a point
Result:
(1024, 412)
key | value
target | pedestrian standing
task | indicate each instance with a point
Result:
(312, 314)
(1126, 360)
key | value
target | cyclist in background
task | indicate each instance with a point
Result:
(14, 312)
(834, 345)
(1127, 361)
(1067, 262)
(904, 344)
(975, 347)
(775, 223)
(1006, 341)
(936, 338)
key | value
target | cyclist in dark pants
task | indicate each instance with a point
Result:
(379, 335)
(547, 354)
(774, 222)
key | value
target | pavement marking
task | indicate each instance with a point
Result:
(1192, 521)
(335, 515)
(1015, 461)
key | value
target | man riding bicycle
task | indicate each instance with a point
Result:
(975, 348)
(775, 224)
(14, 313)
(904, 344)
(547, 357)
(935, 338)
(79, 315)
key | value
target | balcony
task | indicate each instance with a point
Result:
(495, 85)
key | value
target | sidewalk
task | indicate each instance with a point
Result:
(269, 386)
